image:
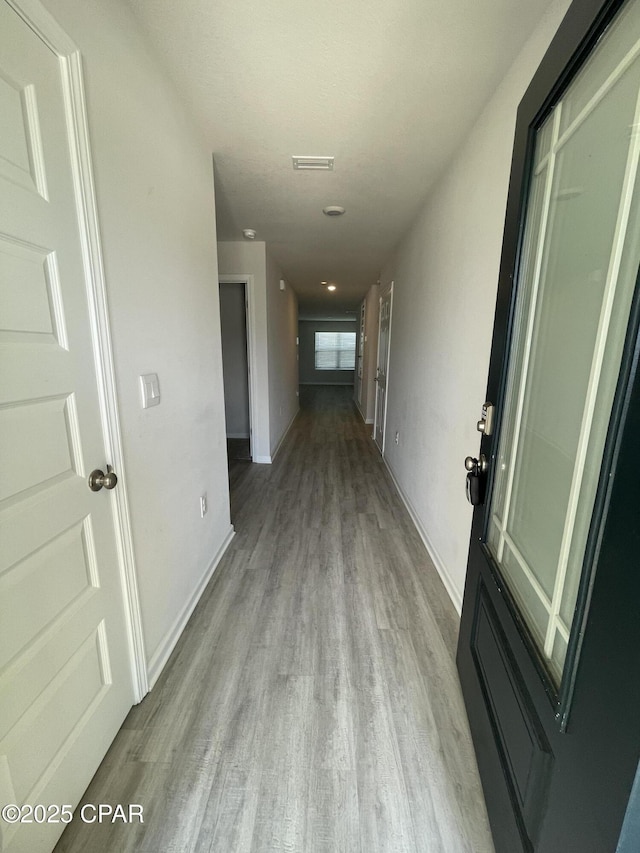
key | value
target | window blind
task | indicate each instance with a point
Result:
(335, 350)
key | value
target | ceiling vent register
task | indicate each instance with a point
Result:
(313, 164)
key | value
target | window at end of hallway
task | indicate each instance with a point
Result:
(335, 350)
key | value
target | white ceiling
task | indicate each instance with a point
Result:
(387, 87)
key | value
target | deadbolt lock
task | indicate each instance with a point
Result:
(485, 424)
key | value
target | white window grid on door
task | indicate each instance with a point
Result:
(517, 385)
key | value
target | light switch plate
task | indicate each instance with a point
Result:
(150, 390)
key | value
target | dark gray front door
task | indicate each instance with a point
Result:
(549, 652)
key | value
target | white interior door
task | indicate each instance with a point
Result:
(65, 671)
(360, 365)
(382, 370)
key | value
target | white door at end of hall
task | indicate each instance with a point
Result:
(382, 370)
(65, 669)
(360, 359)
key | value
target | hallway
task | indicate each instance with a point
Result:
(312, 704)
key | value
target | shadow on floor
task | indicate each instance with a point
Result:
(238, 449)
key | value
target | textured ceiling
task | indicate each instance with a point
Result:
(387, 87)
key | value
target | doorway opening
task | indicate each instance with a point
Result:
(234, 316)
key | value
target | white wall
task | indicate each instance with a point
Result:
(282, 325)
(446, 273)
(367, 404)
(155, 198)
(234, 359)
(274, 321)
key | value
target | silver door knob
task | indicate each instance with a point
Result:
(98, 479)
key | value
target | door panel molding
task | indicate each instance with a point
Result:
(524, 750)
(48, 30)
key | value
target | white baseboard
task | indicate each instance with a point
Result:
(367, 421)
(262, 460)
(284, 435)
(454, 594)
(163, 652)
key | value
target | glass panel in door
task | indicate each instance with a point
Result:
(577, 277)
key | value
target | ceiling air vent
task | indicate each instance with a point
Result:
(314, 164)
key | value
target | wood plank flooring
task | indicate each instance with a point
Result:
(312, 704)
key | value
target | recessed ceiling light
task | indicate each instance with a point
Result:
(324, 282)
(333, 210)
(249, 234)
(331, 287)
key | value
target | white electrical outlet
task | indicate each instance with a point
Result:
(397, 438)
(203, 505)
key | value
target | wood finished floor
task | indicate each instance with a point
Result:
(312, 704)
